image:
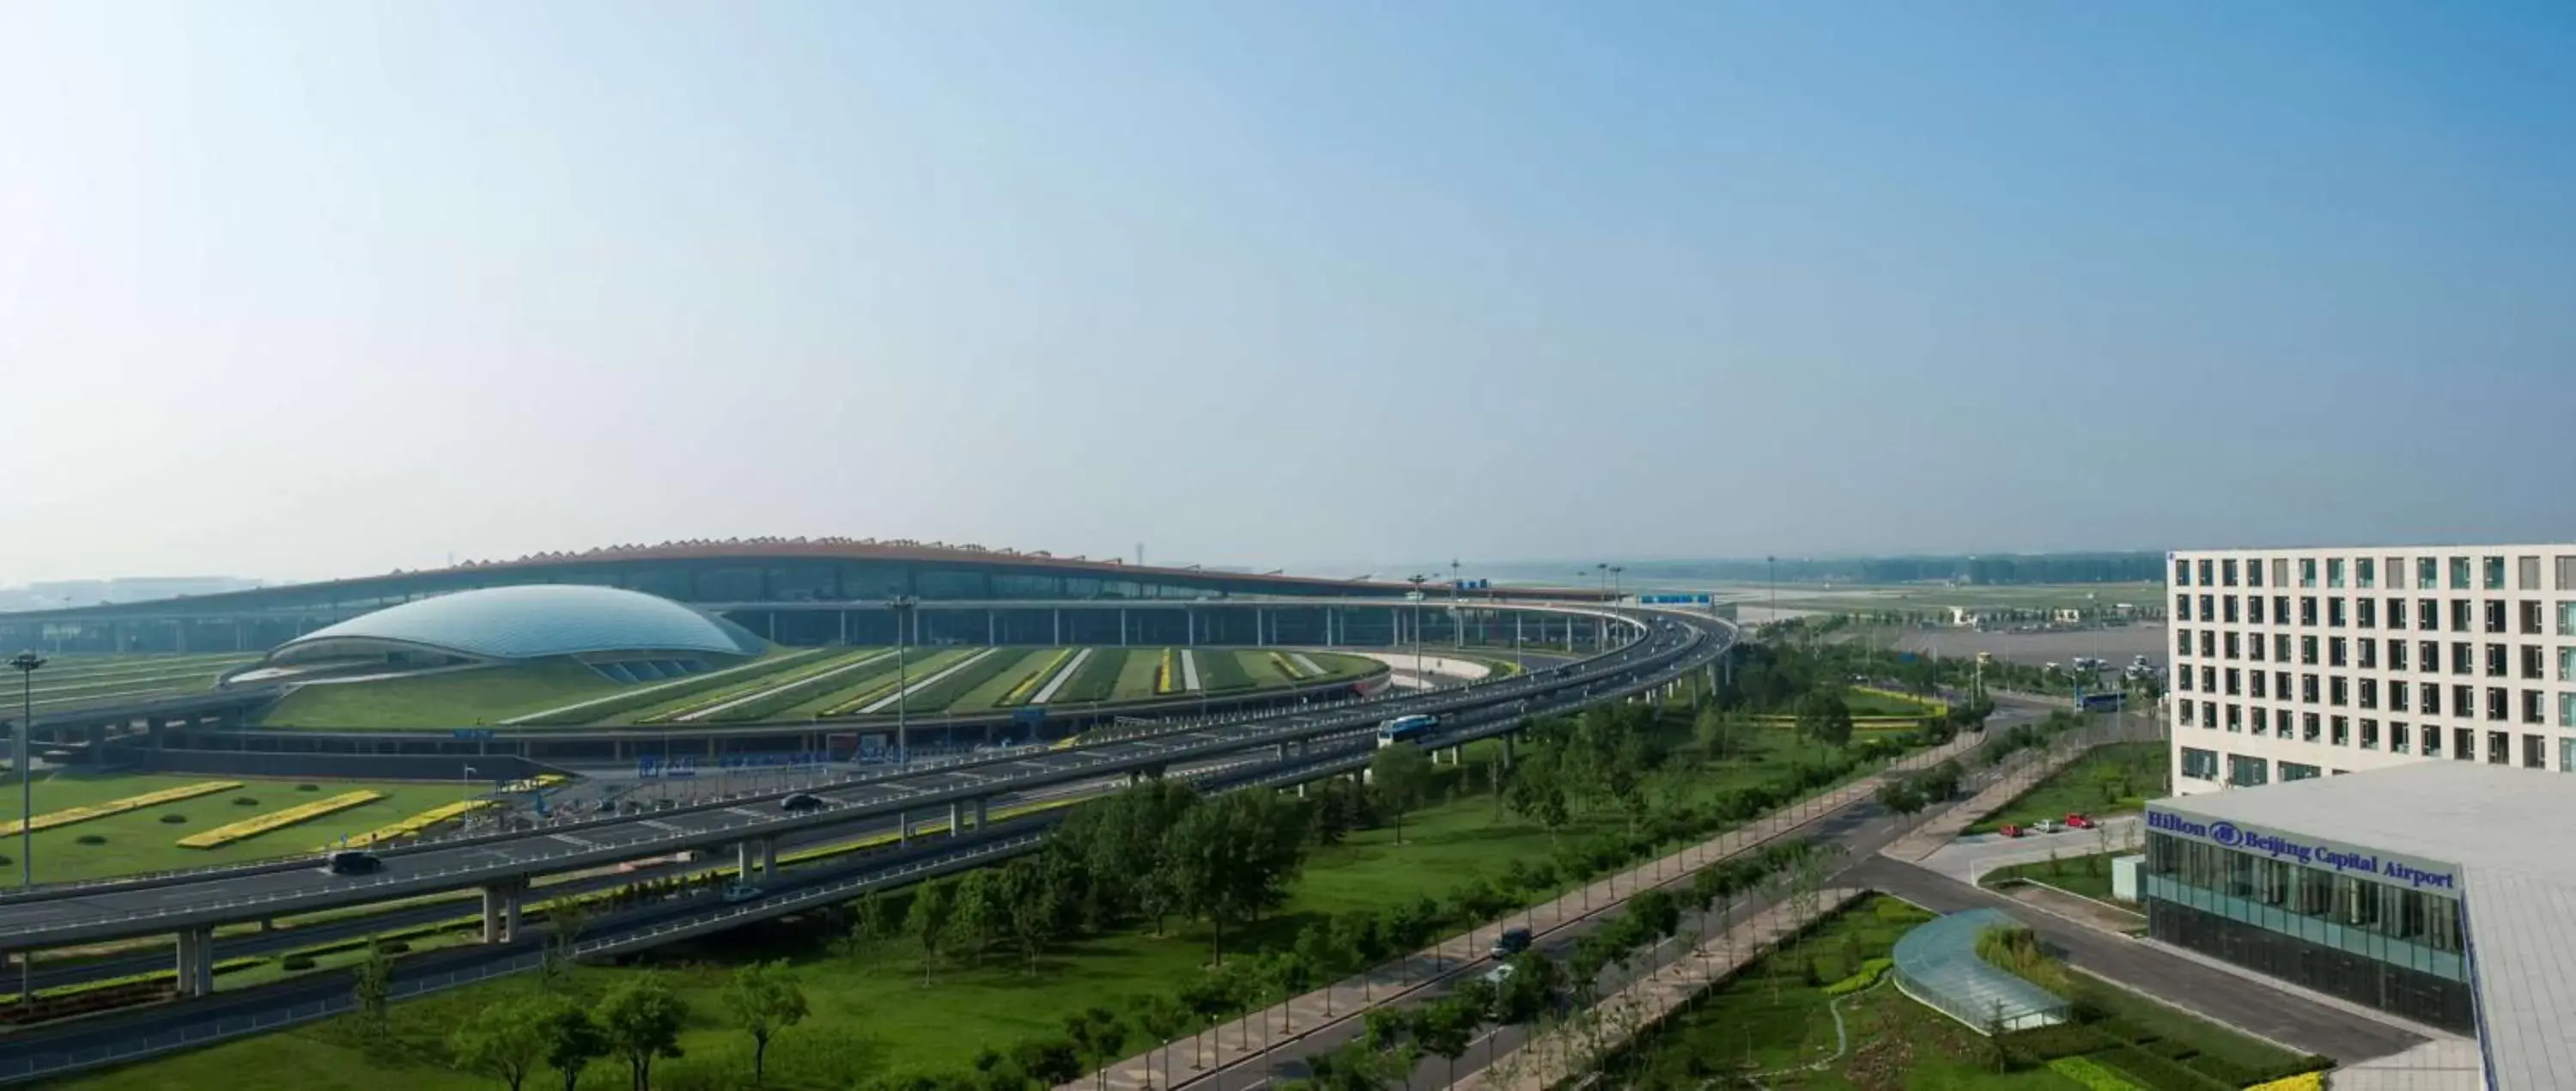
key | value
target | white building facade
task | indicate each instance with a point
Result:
(2298, 663)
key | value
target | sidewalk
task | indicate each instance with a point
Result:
(1570, 1049)
(1946, 827)
(1270, 1028)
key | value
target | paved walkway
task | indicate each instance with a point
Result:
(1577, 1046)
(1281, 1024)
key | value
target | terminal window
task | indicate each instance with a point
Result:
(2398, 741)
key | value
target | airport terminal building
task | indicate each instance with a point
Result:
(2291, 664)
(2434, 891)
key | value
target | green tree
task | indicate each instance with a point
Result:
(1824, 718)
(1029, 907)
(642, 1019)
(1098, 1035)
(1233, 857)
(1525, 993)
(572, 1041)
(872, 923)
(1656, 912)
(1898, 796)
(1160, 1017)
(374, 987)
(1716, 731)
(505, 1040)
(977, 911)
(763, 999)
(928, 923)
(1445, 1028)
(566, 918)
(1400, 773)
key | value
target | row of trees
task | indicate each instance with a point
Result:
(638, 1022)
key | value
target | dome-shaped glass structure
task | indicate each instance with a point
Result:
(501, 624)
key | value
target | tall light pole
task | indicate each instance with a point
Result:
(1614, 581)
(1417, 580)
(903, 607)
(26, 663)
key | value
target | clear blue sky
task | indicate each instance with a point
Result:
(311, 289)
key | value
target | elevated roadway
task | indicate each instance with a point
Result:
(503, 865)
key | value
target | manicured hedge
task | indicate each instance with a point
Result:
(1097, 679)
(1220, 671)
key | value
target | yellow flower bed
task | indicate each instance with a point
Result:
(1288, 668)
(1167, 676)
(1029, 685)
(2305, 1081)
(277, 820)
(118, 806)
(416, 823)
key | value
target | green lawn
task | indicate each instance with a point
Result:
(1136, 678)
(2088, 874)
(139, 841)
(985, 697)
(1872, 704)
(2114, 779)
(875, 1014)
(1774, 1016)
(481, 696)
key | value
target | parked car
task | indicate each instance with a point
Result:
(735, 893)
(1499, 974)
(2047, 825)
(2010, 830)
(1512, 942)
(2080, 822)
(801, 801)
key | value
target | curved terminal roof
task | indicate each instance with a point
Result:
(527, 622)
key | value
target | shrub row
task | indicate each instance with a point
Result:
(1220, 671)
(646, 696)
(804, 667)
(70, 815)
(831, 676)
(1097, 678)
(1028, 686)
(956, 686)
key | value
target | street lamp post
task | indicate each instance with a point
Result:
(1417, 580)
(25, 663)
(903, 606)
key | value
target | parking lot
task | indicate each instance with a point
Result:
(2115, 646)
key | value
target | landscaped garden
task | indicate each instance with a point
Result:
(123, 839)
(2117, 778)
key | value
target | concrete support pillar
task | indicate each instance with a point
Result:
(768, 857)
(956, 815)
(743, 863)
(981, 815)
(844, 615)
(500, 913)
(510, 914)
(903, 827)
(1059, 624)
(992, 627)
(1280, 752)
(192, 951)
(1122, 626)
(1301, 789)
(1189, 627)
(1507, 751)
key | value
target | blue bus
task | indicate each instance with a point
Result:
(2104, 702)
(1405, 729)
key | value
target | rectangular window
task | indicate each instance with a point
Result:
(2567, 664)
(2460, 574)
(2235, 682)
(2370, 734)
(2495, 615)
(2432, 705)
(2281, 647)
(2499, 748)
(2235, 645)
(2182, 572)
(2531, 617)
(2280, 572)
(2526, 571)
(2396, 613)
(2398, 738)
(2397, 655)
(2496, 661)
(2307, 609)
(2464, 744)
(2566, 574)
(2308, 650)
(2308, 688)
(2185, 710)
(2397, 696)
(2182, 678)
(2227, 571)
(2567, 619)
(2208, 643)
(2432, 741)
(2262, 717)
(2280, 609)
(2206, 565)
(2307, 571)
(2343, 731)
(2209, 714)
(2494, 567)
(2365, 613)
(2199, 764)
(2254, 572)
(2464, 701)
(2464, 614)
(2429, 654)
(2291, 770)
(2464, 657)
(2370, 693)
(2334, 571)
(2396, 573)
(2258, 684)
(2535, 664)
(2254, 647)
(2535, 709)
(2369, 649)
(2338, 691)
(2534, 753)
(2246, 772)
(2235, 718)
(2336, 649)
(2209, 679)
(2428, 615)
(2428, 573)
(2182, 606)
(2335, 613)
(2363, 572)
(2308, 727)
(2499, 703)
(2281, 684)
(2208, 608)
(2567, 710)
(2254, 609)
(2567, 755)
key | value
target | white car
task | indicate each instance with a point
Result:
(735, 893)
(2048, 825)
(1499, 974)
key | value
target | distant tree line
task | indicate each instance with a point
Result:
(2003, 568)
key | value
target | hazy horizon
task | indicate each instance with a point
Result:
(303, 290)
